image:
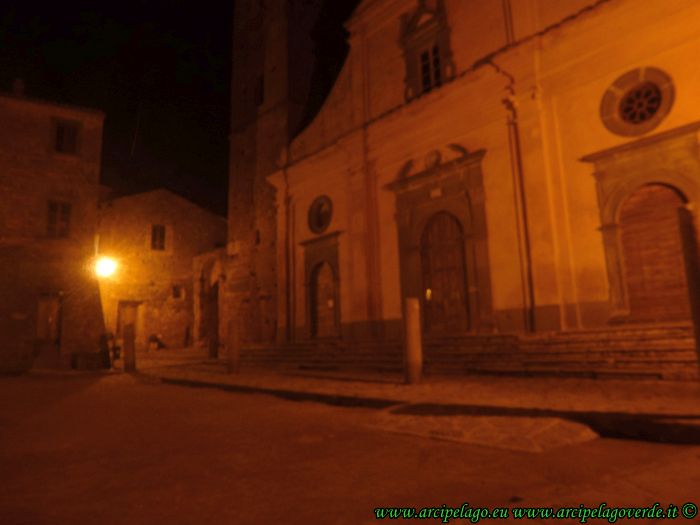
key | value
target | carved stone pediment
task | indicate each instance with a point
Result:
(437, 164)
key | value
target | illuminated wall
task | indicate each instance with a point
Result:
(49, 172)
(527, 88)
(155, 274)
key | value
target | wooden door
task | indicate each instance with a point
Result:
(445, 304)
(324, 303)
(652, 249)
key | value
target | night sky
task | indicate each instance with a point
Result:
(160, 70)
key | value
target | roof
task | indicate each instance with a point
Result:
(37, 101)
(168, 194)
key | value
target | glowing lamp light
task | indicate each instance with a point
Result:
(105, 267)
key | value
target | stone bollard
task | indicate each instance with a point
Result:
(129, 349)
(413, 343)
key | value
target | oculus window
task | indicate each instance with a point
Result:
(637, 102)
(320, 214)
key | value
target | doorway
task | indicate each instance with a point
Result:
(127, 315)
(445, 302)
(324, 303)
(48, 325)
(652, 249)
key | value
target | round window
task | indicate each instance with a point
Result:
(640, 103)
(320, 214)
(637, 101)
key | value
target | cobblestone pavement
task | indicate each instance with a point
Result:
(667, 398)
(81, 449)
(532, 414)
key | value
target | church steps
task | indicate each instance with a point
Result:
(653, 352)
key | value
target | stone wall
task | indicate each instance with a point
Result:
(36, 265)
(271, 76)
(530, 98)
(160, 282)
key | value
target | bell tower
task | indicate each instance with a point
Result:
(273, 60)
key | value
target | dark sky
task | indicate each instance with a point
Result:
(160, 66)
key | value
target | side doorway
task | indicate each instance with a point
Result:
(127, 315)
(323, 297)
(48, 330)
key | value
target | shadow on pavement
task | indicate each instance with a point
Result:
(657, 428)
(335, 400)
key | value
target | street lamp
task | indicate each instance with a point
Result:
(105, 266)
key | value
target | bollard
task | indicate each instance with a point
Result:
(234, 351)
(129, 348)
(413, 344)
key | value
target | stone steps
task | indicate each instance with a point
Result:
(362, 357)
(641, 352)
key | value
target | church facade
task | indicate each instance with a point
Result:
(519, 166)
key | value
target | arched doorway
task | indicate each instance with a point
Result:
(445, 302)
(652, 249)
(324, 302)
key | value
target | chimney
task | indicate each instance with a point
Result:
(18, 87)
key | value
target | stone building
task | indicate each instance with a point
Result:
(49, 180)
(271, 80)
(154, 237)
(211, 322)
(522, 167)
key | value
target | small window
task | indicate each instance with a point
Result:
(157, 237)
(431, 74)
(425, 71)
(58, 224)
(66, 137)
(425, 39)
(178, 292)
(437, 72)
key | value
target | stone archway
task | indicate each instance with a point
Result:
(446, 195)
(443, 263)
(652, 253)
(323, 302)
(659, 171)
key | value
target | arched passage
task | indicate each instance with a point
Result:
(444, 275)
(324, 302)
(652, 253)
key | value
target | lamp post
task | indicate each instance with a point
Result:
(105, 268)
